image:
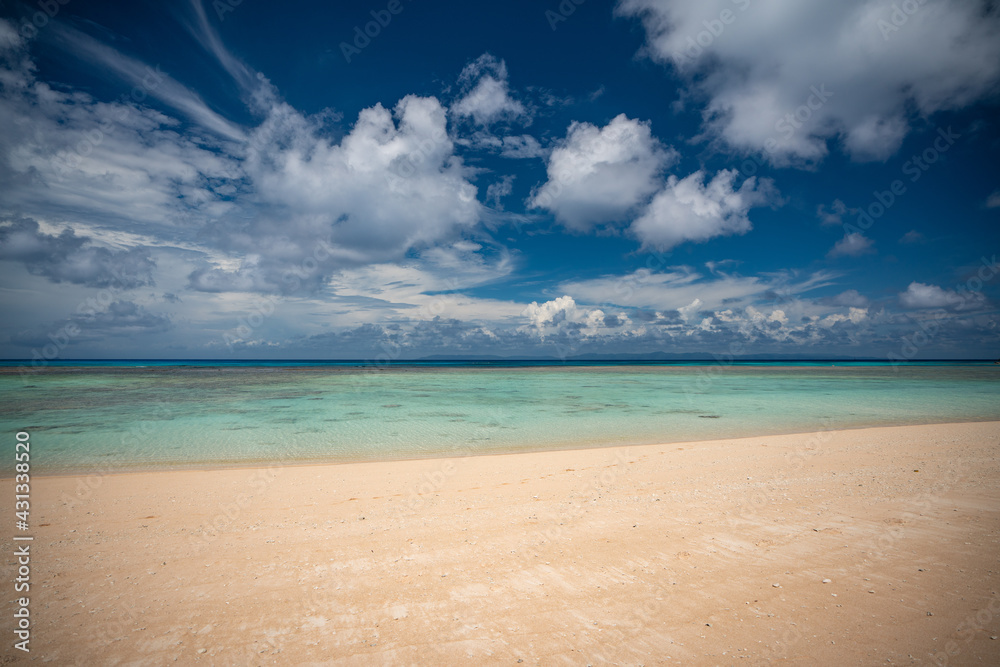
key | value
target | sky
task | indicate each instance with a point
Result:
(393, 179)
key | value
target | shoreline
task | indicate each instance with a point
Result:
(299, 463)
(838, 547)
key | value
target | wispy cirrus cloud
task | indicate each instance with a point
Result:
(419, 220)
(148, 79)
(679, 287)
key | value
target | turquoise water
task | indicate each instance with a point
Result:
(123, 417)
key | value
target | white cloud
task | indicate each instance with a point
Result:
(912, 237)
(851, 298)
(9, 39)
(597, 175)
(854, 244)
(835, 215)
(391, 185)
(486, 112)
(853, 315)
(427, 286)
(920, 295)
(256, 203)
(871, 62)
(993, 201)
(495, 192)
(521, 147)
(148, 81)
(201, 29)
(690, 310)
(76, 160)
(487, 99)
(797, 322)
(688, 209)
(687, 291)
(563, 315)
(73, 259)
(551, 313)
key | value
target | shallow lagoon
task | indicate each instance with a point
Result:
(128, 417)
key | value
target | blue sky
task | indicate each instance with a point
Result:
(398, 179)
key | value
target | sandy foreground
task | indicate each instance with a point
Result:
(708, 553)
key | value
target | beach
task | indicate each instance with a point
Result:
(644, 332)
(867, 546)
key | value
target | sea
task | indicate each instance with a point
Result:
(115, 416)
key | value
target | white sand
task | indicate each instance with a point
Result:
(703, 553)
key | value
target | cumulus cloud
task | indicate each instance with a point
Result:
(691, 310)
(689, 209)
(597, 175)
(487, 116)
(794, 323)
(921, 295)
(391, 185)
(557, 311)
(853, 315)
(69, 258)
(277, 207)
(835, 214)
(487, 97)
(993, 201)
(851, 298)
(563, 315)
(853, 244)
(787, 78)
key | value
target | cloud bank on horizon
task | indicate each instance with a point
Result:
(770, 176)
